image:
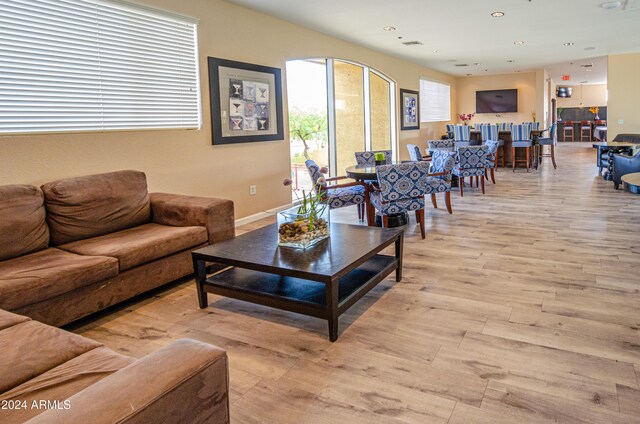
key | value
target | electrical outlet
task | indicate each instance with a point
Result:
(252, 190)
(620, 121)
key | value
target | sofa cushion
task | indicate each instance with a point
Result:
(49, 273)
(31, 348)
(23, 228)
(7, 319)
(63, 381)
(90, 206)
(141, 244)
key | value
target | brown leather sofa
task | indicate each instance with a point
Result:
(79, 245)
(48, 375)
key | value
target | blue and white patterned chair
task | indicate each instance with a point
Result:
(521, 139)
(492, 159)
(369, 158)
(492, 132)
(534, 126)
(414, 153)
(401, 188)
(550, 141)
(462, 135)
(505, 126)
(447, 145)
(439, 179)
(472, 161)
(450, 131)
(339, 195)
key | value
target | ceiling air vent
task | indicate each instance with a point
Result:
(461, 65)
(412, 43)
(587, 65)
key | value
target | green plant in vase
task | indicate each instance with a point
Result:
(308, 223)
(380, 158)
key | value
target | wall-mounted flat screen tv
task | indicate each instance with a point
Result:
(497, 101)
(564, 91)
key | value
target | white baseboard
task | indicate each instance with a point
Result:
(260, 215)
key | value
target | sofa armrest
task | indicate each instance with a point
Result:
(216, 215)
(185, 382)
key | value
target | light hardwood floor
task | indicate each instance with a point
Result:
(521, 307)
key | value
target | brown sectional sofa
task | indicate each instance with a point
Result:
(48, 375)
(76, 246)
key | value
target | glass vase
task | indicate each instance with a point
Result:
(300, 229)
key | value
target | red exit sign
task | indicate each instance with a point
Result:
(566, 78)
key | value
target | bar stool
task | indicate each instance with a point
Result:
(551, 141)
(585, 131)
(567, 132)
(521, 136)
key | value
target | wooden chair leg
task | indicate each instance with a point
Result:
(528, 158)
(433, 200)
(447, 200)
(504, 163)
(553, 156)
(493, 175)
(482, 182)
(420, 219)
(513, 158)
(461, 185)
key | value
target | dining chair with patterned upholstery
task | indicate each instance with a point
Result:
(491, 132)
(400, 188)
(415, 153)
(439, 179)
(462, 135)
(505, 126)
(450, 131)
(369, 157)
(550, 141)
(521, 139)
(340, 195)
(472, 161)
(492, 159)
(448, 145)
(535, 126)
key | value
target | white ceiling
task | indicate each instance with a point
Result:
(463, 32)
(579, 71)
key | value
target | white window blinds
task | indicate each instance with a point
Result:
(435, 101)
(91, 65)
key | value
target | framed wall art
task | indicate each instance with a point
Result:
(246, 102)
(410, 101)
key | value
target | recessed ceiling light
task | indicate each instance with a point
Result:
(611, 5)
(389, 28)
(517, 43)
(568, 44)
(436, 51)
(588, 69)
(497, 14)
(589, 48)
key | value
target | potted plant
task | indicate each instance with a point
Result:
(305, 225)
(595, 110)
(380, 158)
(465, 118)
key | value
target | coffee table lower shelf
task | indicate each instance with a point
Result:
(299, 295)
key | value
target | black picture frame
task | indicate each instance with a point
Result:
(222, 91)
(410, 107)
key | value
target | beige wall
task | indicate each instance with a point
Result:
(526, 83)
(624, 94)
(592, 95)
(185, 161)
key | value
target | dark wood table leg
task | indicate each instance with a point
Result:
(399, 247)
(332, 296)
(200, 271)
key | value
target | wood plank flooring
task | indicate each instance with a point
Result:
(521, 307)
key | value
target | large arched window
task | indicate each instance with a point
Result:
(336, 108)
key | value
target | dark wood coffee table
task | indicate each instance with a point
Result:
(322, 281)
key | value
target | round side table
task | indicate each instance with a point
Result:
(631, 182)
